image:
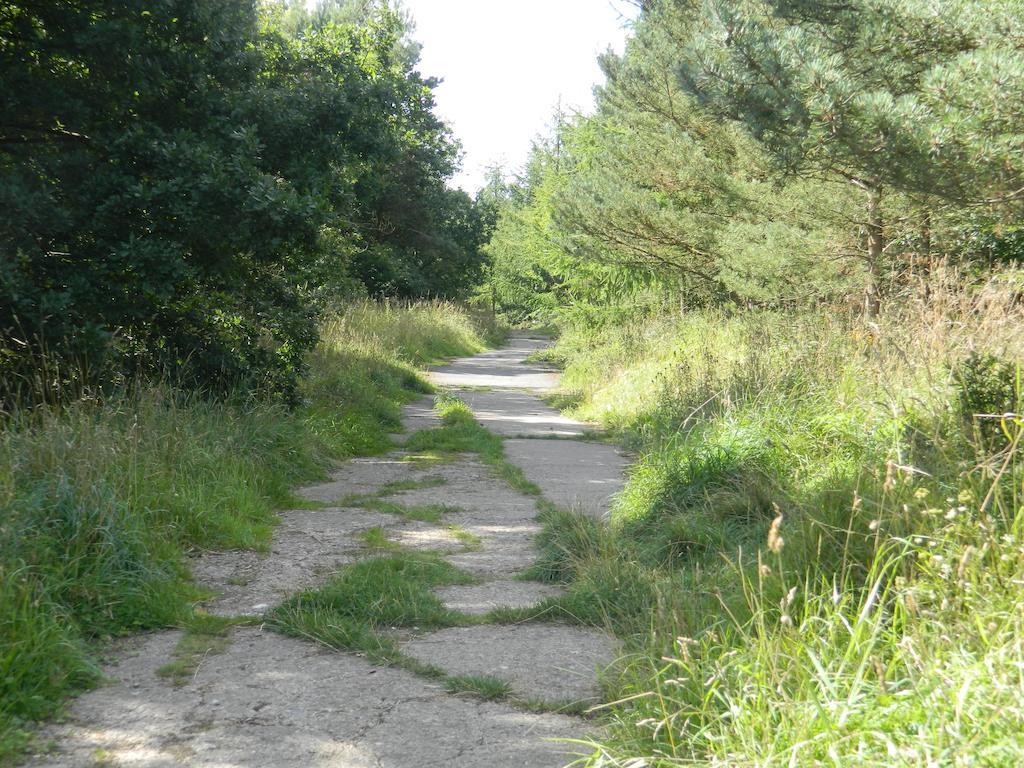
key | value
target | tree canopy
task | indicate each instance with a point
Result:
(186, 185)
(777, 152)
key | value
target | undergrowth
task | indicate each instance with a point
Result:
(103, 497)
(818, 557)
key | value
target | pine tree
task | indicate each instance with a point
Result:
(860, 90)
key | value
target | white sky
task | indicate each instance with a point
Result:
(506, 62)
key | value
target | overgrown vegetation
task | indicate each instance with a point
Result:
(817, 557)
(103, 497)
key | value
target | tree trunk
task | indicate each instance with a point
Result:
(926, 254)
(876, 245)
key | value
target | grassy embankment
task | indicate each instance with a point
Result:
(819, 556)
(103, 499)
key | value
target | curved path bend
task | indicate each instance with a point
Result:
(270, 700)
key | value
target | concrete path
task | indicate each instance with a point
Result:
(268, 700)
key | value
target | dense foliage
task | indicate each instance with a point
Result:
(185, 186)
(775, 153)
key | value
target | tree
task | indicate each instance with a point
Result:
(847, 90)
(185, 185)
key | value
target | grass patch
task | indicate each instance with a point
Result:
(481, 686)
(358, 609)
(460, 432)
(371, 597)
(203, 636)
(377, 538)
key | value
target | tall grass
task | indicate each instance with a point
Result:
(102, 498)
(817, 558)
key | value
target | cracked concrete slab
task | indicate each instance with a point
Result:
(503, 520)
(362, 475)
(275, 701)
(549, 662)
(478, 599)
(571, 473)
(308, 546)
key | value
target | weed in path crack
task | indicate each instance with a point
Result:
(461, 433)
(204, 635)
(374, 500)
(542, 706)
(427, 513)
(482, 686)
(469, 540)
(361, 602)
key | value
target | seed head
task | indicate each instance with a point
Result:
(775, 540)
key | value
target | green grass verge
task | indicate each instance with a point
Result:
(817, 557)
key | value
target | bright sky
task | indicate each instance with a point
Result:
(505, 63)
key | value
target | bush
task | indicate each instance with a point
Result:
(988, 387)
